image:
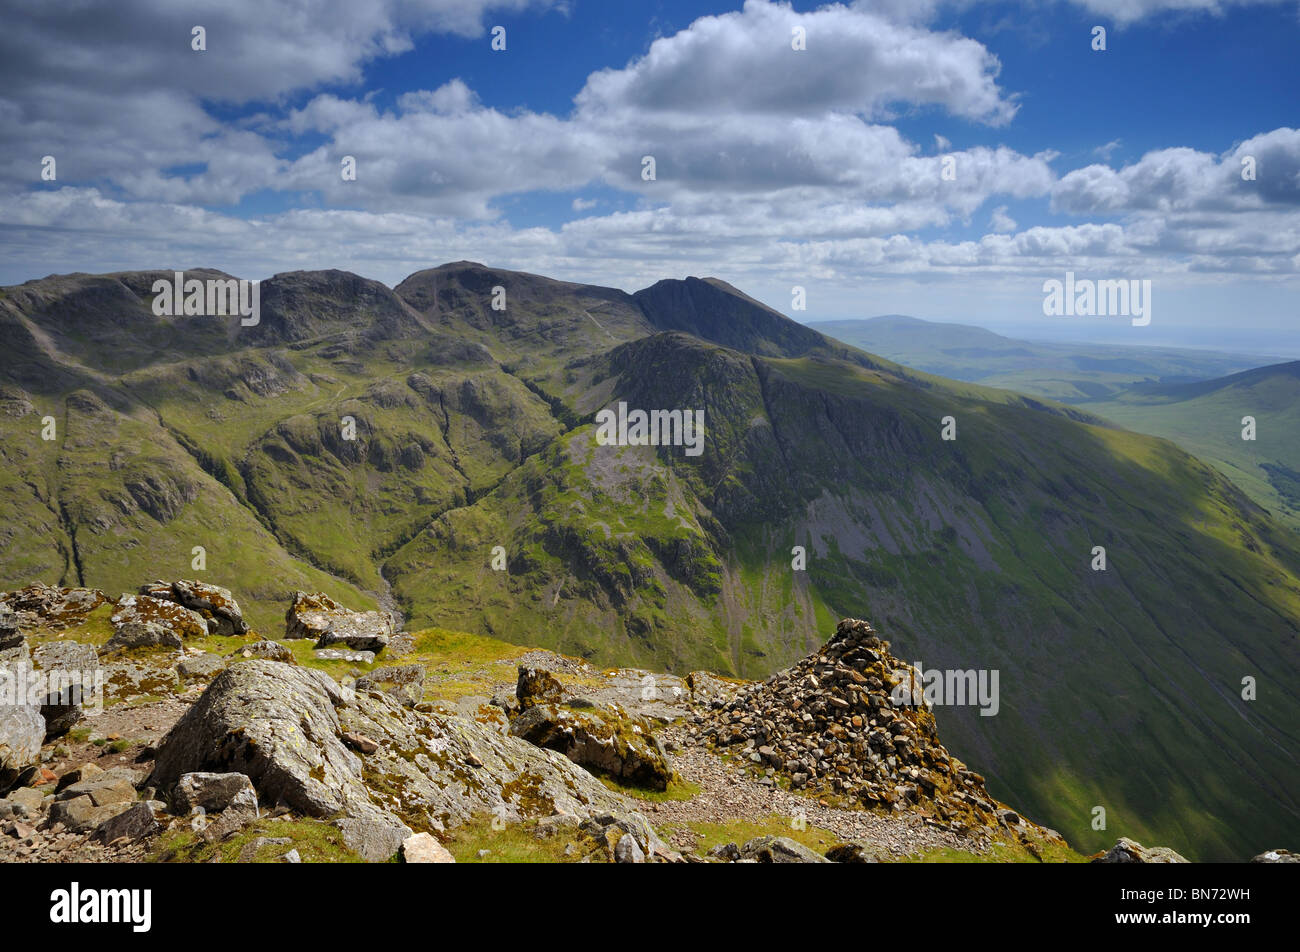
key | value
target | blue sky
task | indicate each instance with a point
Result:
(820, 168)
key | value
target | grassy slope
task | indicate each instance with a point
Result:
(1205, 420)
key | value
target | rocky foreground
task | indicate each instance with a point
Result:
(158, 726)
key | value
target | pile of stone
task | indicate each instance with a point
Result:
(835, 722)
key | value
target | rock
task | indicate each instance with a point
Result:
(212, 602)
(360, 631)
(627, 850)
(624, 748)
(315, 615)
(22, 731)
(609, 830)
(404, 682)
(291, 857)
(137, 822)
(374, 839)
(1130, 851)
(214, 792)
(537, 686)
(1276, 856)
(359, 742)
(507, 702)
(87, 771)
(779, 849)
(82, 815)
(143, 621)
(10, 634)
(851, 853)
(266, 650)
(250, 849)
(423, 848)
(282, 726)
(200, 666)
(339, 654)
(101, 790)
(26, 801)
(727, 852)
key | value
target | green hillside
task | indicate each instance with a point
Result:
(1071, 373)
(471, 493)
(1206, 419)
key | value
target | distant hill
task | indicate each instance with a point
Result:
(1070, 373)
(1205, 419)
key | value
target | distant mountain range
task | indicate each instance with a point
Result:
(1067, 372)
(476, 496)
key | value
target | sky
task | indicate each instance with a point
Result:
(937, 158)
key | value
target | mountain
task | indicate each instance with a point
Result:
(1205, 418)
(416, 447)
(1071, 373)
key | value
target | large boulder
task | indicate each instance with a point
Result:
(144, 621)
(284, 727)
(1131, 851)
(73, 677)
(216, 605)
(316, 615)
(622, 747)
(22, 731)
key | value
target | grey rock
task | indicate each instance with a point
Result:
(214, 603)
(622, 747)
(282, 726)
(214, 792)
(266, 650)
(82, 815)
(22, 731)
(200, 666)
(1131, 851)
(144, 621)
(291, 857)
(424, 848)
(628, 851)
(728, 852)
(101, 790)
(137, 822)
(344, 654)
(779, 849)
(360, 631)
(1276, 856)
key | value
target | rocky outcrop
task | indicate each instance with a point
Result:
(1131, 851)
(315, 615)
(611, 743)
(142, 621)
(832, 722)
(404, 682)
(1276, 856)
(779, 849)
(283, 727)
(216, 605)
(47, 606)
(537, 686)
